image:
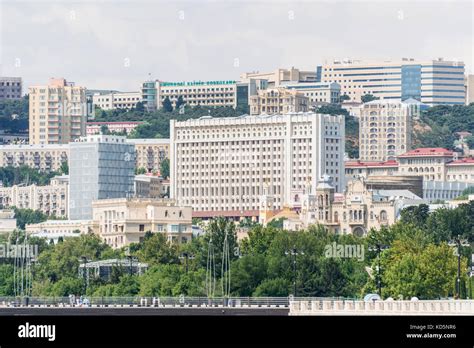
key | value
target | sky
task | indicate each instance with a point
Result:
(104, 44)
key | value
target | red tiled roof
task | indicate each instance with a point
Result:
(390, 163)
(428, 151)
(468, 161)
(225, 213)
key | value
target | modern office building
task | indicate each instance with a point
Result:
(42, 157)
(10, 88)
(278, 101)
(58, 112)
(149, 93)
(432, 82)
(317, 93)
(385, 129)
(279, 77)
(120, 222)
(100, 167)
(117, 100)
(220, 166)
(50, 199)
(150, 153)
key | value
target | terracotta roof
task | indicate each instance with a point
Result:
(390, 163)
(225, 213)
(428, 151)
(468, 161)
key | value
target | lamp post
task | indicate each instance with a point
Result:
(378, 248)
(84, 260)
(294, 252)
(457, 242)
(130, 260)
(186, 256)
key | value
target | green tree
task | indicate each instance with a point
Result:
(156, 249)
(64, 168)
(165, 168)
(167, 106)
(276, 287)
(104, 129)
(28, 216)
(179, 102)
(344, 97)
(139, 171)
(368, 98)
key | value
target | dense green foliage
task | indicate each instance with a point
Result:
(10, 175)
(417, 261)
(28, 216)
(368, 98)
(10, 123)
(165, 168)
(444, 121)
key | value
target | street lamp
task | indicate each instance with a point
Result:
(186, 256)
(130, 258)
(378, 248)
(84, 261)
(458, 243)
(294, 252)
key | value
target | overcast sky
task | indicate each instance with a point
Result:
(116, 44)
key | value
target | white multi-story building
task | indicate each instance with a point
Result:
(385, 128)
(280, 77)
(469, 89)
(113, 127)
(219, 166)
(42, 157)
(277, 101)
(57, 112)
(117, 100)
(432, 82)
(318, 93)
(50, 199)
(150, 153)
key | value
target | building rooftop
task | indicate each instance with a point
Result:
(464, 161)
(428, 151)
(358, 163)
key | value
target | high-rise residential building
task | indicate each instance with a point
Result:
(10, 88)
(277, 101)
(58, 112)
(318, 93)
(117, 100)
(385, 128)
(42, 157)
(100, 167)
(220, 166)
(279, 77)
(469, 89)
(432, 82)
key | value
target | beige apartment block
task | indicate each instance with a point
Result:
(58, 112)
(277, 101)
(220, 166)
(150, 186)
(7, 220)
(385, 128)
(51, 199)
(430, 163)
(42, 157)
(432, 82)
(469, 89)
(53, 229)
(150, 153)
(280, 76)
(122, 221)
(461, 170)
(117, 100)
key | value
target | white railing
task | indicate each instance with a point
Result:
(352, 307)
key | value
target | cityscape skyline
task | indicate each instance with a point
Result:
(122, 54)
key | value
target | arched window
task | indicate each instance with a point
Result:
(383, 215)
(336, 217)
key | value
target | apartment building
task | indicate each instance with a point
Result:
(432, 82)
(430, 163)
(11, 88)
(117, 100)
(57, 112)
(460, 170)
(317, 93)
(55, 229)
(469, 89)
(100, 167)
(120, 222)
(150, 153)
(7, 221)
(277, 101)
(113, 127)
(279, 77)
(50, 199)
(219, 166)
(385, 129)
(42, 157)
(150, 186)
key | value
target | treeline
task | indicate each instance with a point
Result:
(14, 115)
(24, 174)
(415, 260)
